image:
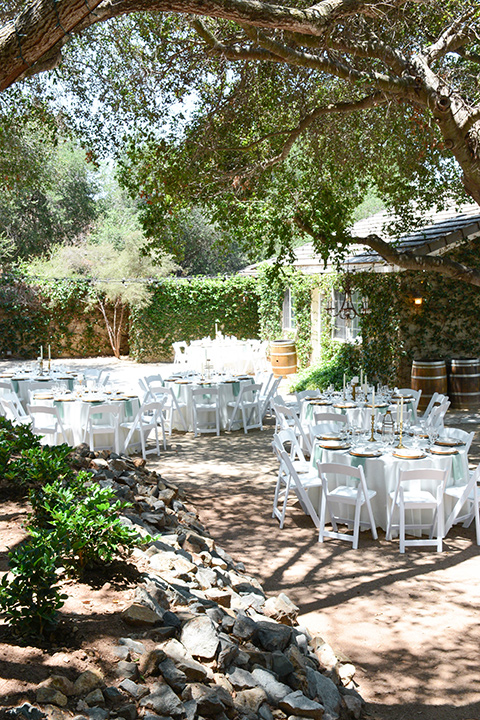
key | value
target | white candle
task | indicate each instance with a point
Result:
(361, 376)
(401, 410)
(41, 352)
(344, 381)
(49, 354)
(373, 399)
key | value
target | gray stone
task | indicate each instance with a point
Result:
(247, 702)
(112, 693)
(354, 706)
(61, 683)
(26, 712)
(297, 703)
(274, 689)
(122, 652)
(241, 679)
(247, 601)
(170, 618)
(133, 645)
(282, 609)
(272, 636)
(95, 697)
(163, 700)
(128, 711)
(51, 695)
(153, 597)
(346, 673)
(176, 678)
(133, 689)
(88, 681)
(97, 713)
(244, 627)
(149, 662)
(184, 661)
(200, 637)
(140, 616)
(206, 578)
(281, 665)
(126, 669)
(321, 688)
(210, 700)
(264, 712)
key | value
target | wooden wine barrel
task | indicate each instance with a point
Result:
(283, 357)
(429, 376)
(464, 383)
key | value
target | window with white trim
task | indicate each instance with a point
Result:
(289, 322)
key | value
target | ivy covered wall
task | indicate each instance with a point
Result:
(189, 309)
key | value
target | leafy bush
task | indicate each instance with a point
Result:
(38, 465)
(31, 600)
(86, 520)
(346, 360)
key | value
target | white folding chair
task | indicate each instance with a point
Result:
(338, 493)
(180, 353)
(249, 404)
(103, 378)
(306, 395)
(287, 440)
(288, 478)
(147, 420)
(286, 417)
(437, 415)
(467, 498)
(205, 403)
(419, 489)
(267, 393)
(102, 420)
(406, 392)
(153, 379)
(436, 399)
(461, 435)
(47, 423)
(13, 410)
(173, 406)
(6, 387)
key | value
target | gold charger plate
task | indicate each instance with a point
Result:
(344, 405)
(406, 454)
(325, 436)
(366, 453)
(314, 401)
(334, 445)
(379, 405)
(43, 396)
(442, 451)
(64, 398)
(182, 382)
(406, 398)
(449, 442)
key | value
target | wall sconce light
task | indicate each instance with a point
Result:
(418, 301)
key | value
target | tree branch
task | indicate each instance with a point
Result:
(380, 81)
(453, 37)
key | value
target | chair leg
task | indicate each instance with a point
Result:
(401, 510)
(356, 523)
(323, 509)
(371, 518)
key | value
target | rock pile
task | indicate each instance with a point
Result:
(221, 649)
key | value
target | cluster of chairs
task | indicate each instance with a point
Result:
(342, 486)
(159, 411)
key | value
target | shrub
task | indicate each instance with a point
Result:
(86, 520)
(345, 360)
(31, 600)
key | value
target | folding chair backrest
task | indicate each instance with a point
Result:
(287, 436)
(422, 476)
(153, 379)
(292, 420)
(461, 435)
(355, 474)
(436, 399)
(306, 394)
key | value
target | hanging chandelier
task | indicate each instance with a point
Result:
(348, 310)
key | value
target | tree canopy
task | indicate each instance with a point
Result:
(362, 92)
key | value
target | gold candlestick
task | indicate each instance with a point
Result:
(372, 436)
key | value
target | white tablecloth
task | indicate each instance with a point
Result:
(22, 384)
(224, 355)
(381, 474)
(228, 391)
(73, 412)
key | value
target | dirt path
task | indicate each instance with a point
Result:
(408, 622)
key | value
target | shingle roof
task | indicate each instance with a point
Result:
(443, 230)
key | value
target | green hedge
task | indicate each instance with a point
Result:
(189, 309)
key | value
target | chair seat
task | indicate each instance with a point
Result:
(349, 494)
(456, 491)
(416, 497)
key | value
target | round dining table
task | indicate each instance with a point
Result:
(73, 408)
(228, 391)
(381, 465)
